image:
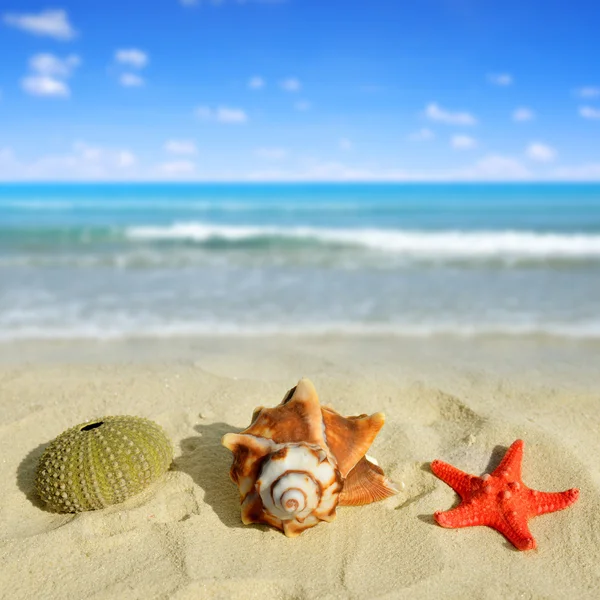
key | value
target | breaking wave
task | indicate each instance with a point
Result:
(526, 245)
(133, 329)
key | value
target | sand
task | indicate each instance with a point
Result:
(464, 402)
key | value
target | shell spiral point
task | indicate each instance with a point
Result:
(298, 462)
(102, 462)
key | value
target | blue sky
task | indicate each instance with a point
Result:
(289, 90)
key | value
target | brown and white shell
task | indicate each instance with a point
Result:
(299, 461)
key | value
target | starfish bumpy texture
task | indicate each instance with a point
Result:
(500, 500)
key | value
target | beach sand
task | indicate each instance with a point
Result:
(462, 401)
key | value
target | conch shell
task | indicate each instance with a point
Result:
(299, 461)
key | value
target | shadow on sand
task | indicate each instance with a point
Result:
(203, 458)
(26, 476)
(497, 455)
(207, 462)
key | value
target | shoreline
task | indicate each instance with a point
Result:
(561, 360)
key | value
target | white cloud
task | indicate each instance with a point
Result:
(9, 166)
(588, 92)
(540, 152)
(271, 153)
(96, 155)
(42, 85)
(302, 105)
(132, 57)
(222, 114)
(53, 66)
(49, 23)
(523, 114)
(463, 142)
(6, 154)
(131, 80)
(181, 147)
(501, 79)
(589, 112)
(177, 167)
(87, 152)
(125, 159)
(345, 144)
(291, 84)
(496, 167)
(230, 115)
(436, 113)
(423, 135)
(49, 74)
(489, 168)
(256, 83)
(333, 170)
(83, 162)
(86, 162)
(314, 171)
(585, 172)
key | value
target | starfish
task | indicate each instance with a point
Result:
(500, 500)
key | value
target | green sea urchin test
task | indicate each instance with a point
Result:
(102, 462)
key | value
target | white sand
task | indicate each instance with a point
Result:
(462, 402)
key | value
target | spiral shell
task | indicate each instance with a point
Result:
(298, 461)
(102, 462)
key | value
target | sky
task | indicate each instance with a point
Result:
(300, 90)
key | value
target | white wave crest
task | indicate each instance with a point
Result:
(132, 329)
(415, 244)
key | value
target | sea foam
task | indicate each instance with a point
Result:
(416, 244)
(134, 329)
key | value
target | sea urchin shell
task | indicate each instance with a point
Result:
(102, 462)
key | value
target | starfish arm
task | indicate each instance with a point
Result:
(541, 503)
(513, 526)
(464, 515)
(510, 465)
(458, 480)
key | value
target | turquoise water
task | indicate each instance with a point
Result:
(161, 260)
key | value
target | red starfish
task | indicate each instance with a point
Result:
(500, 500)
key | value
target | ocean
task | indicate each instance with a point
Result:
(159, 260)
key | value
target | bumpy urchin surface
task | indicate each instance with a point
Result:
(102, 462)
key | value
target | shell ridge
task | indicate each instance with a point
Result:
(366, 483)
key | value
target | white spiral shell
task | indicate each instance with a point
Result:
(298, 480)
(297, 462)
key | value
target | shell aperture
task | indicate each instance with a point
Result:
(297, 462)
